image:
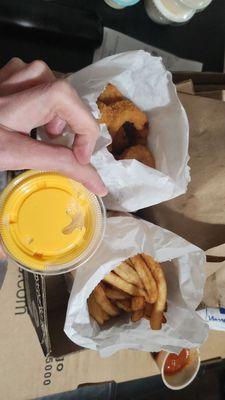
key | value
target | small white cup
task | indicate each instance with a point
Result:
(172, 13)
(198, 5)
(185, 376)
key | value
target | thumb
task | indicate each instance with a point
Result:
(19, 151)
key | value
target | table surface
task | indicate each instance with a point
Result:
(201, 39)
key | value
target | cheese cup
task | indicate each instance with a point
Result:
(50, 224)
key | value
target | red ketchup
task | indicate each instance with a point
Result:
(174, 363)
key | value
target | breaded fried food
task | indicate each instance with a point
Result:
(110, 95)
(139, 153)
(134, 136)
(120, 142)
(106, 114)
(115, 115)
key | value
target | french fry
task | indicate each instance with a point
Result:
(126, 272)
(129, 263)
(119, 283)
(146, 277)
(137, 315)
(96, 311)
(125, 305)
(148, 310)
(103, 301)
(137, 303)
(159, 306)
(115, 294)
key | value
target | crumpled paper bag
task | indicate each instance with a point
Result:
(199, 215)
(183, 265)
(144, 80)
(214, 290)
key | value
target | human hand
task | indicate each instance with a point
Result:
(30, 96)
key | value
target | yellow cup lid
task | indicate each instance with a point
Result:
(46, 218)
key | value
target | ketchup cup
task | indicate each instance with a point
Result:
(177, 377)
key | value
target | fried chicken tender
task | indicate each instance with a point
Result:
(120, 141)
(127, 125)
(110, 95)
(106, 116)
(134, 136)
(139, 153)
(115, 115)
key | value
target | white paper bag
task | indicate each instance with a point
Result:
(182, 263)
(143, 79)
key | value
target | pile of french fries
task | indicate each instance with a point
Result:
(137, 286)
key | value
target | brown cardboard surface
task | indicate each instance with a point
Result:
(214, 347)
(24, 367)
(198, 215)
(214, 290)
(186, 87)
(217, 94)
(202, 81)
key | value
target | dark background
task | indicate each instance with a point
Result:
(201, 39)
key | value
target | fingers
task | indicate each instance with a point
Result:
(24, 76)
(21, 152)
(21, 76)
(14, 65)
(78, 117)
(55, 127)
(39, 105)
(83, 146)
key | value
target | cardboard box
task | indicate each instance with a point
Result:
(47, 299)
(203, 81)
(26, 373)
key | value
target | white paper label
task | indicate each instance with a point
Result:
(215, 317)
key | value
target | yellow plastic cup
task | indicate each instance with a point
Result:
(50, 224)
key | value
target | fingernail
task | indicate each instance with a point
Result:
(103, 192)
(56, 126)
(83, 153)
(99, 189)
(59, 126)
